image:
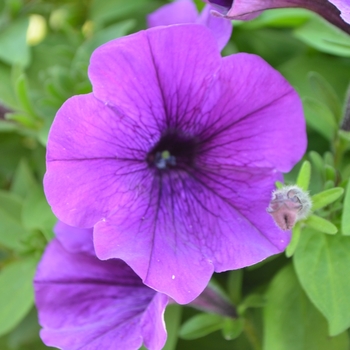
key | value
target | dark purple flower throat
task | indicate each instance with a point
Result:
(173, 150)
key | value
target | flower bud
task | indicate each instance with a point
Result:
(288, 205)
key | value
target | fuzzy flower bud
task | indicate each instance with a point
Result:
(289, 205)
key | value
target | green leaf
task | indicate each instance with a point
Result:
(105, 11)
(324, 198)
(201, 325)
(6, 126)
(294, 241)
(23, 180)
(291, 322)
(172, 320)
(11, 230)
(280, 18)
(304, 175)
(232, 328)
(322, 265)
(317, 161)
(319, 117)
(325, 92)
(330, 173)
(345, 135)
(37, 214)
(14, 49)
(323, 36)
(16, 293)
(345, 220)
(320, 224)
(22, 91)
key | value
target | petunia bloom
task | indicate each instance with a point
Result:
(174, 155)
(185, 11)
(86, 303)
(336, 12)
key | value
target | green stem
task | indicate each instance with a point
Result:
(252, 335)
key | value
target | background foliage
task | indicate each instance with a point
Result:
(295, 301)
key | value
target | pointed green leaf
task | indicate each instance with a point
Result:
(201, 325)
(291, 322)
(304, 175)
(16, 293)
(23, 180)
(37, 214)
(326, 93)
(14, 49)
(294, 241)
(329, 158)
(323, 36)
(324, 198)
(317, 161)
(22, 91)
(345, 220)
(319, 117)
(320, 224)
(322, 265)
(11, 230)
(330, 172)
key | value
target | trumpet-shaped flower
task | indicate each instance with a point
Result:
(174, 155)
(336, 12)
(86, 303)
(185, 11)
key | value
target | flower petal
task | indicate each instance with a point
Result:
(180, 11)
(156, 77)
(192, 224)
(86, 303)
(90, 147)
(74, 239)
(344, 7)
(261, 120)
(220, 27)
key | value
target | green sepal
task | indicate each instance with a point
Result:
(320, 224)
(324, 198)
(303, 179)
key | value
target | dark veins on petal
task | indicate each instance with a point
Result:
(173, 150)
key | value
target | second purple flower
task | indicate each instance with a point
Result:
(174, 155)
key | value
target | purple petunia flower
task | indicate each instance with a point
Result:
(185, 11)
(336, 12)
(86, 303)
(174, 155)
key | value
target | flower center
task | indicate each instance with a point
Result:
(173, 150)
